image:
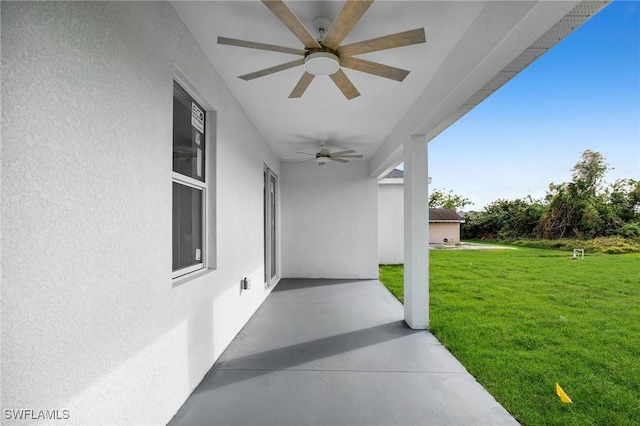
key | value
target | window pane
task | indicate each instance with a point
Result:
(188, 135)
(187, 226)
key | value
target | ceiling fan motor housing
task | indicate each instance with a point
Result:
(321, 24)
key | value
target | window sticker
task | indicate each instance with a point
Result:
(197, 117)
(199, 163)
(198, 138)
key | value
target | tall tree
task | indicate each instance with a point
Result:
(582, 207)
(588, 173)
(447, 200)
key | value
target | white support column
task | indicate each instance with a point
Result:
(416, 233)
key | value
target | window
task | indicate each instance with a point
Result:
(189, 184)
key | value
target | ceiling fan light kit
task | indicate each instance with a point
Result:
(321, 63)
(326, 55)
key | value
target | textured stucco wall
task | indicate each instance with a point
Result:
(330, 215)
(438, 231)
(91, 322)
(390, 224)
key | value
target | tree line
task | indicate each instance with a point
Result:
(583, 208)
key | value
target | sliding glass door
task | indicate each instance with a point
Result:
(270, 246)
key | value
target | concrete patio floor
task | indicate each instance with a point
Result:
(337, 352)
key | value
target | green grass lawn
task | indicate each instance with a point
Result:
(522, 320)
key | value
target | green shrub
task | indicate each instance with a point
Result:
(630, 230)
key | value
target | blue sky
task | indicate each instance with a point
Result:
(582, 94)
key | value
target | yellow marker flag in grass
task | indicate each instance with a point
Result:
(563, 396)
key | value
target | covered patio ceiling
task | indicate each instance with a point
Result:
(472, 48)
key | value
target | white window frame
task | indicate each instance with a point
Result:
(194, 183)
(205, 186)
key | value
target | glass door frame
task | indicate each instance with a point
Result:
(270, 210)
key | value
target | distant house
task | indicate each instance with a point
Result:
(444, 224)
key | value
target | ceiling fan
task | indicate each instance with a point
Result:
(324, 155)
(326, 55)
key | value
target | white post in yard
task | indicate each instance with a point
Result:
(416, 233)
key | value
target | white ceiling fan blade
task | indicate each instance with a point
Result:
(348, 156)
(305, 153)
(339, 160)
(349, 151)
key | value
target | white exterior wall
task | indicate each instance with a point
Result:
(390, 223)
(331, 217)
(438, 231)
(91, 322)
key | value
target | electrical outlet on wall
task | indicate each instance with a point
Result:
(246, 283)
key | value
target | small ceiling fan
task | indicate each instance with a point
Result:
(324, 155)
(326, 56)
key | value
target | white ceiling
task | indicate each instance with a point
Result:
(467, 44)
